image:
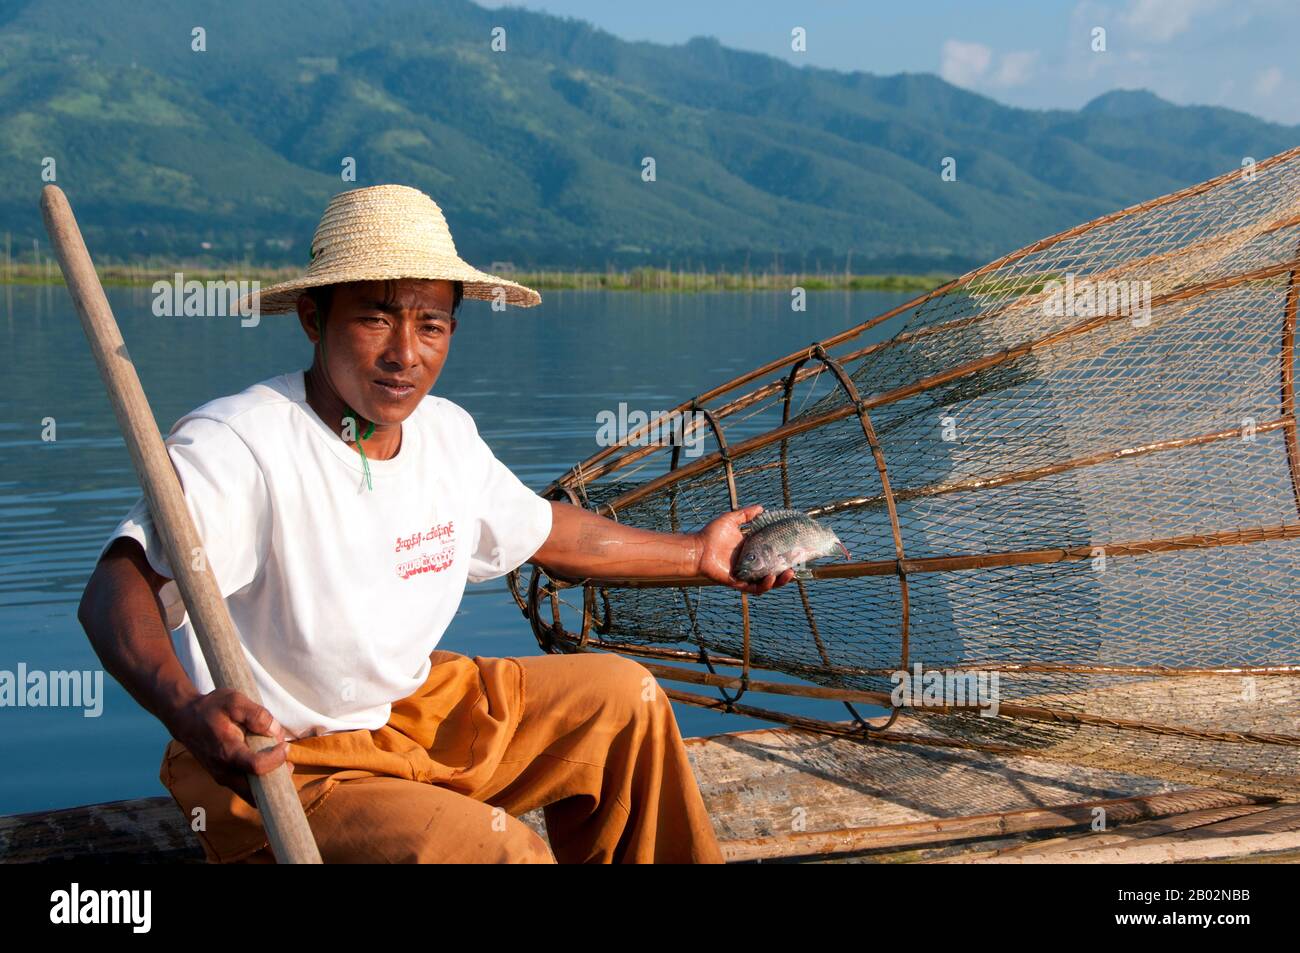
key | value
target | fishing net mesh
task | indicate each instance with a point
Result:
(1072, 474)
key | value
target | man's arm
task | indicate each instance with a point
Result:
(124, 620)
(583, 545)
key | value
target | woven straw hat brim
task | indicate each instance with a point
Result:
(480, 285)
(386, 232)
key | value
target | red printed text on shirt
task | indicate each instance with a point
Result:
(437, 545)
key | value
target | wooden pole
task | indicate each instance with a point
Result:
(277, 800)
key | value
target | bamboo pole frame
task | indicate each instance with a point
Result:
(915, 834)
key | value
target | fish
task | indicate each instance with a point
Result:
(778, 540)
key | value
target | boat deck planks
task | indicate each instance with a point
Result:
(1200, 835)
(793, 796)
(786, 794)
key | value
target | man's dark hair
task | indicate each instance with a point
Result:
(323, 295)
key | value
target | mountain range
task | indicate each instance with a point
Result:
(535, 152)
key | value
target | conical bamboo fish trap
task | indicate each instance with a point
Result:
(1097, 502)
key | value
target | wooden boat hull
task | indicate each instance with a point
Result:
(794, 796)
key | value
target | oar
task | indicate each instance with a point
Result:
(282, 815)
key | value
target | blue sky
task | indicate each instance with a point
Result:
(1236, 53)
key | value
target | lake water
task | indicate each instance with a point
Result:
(533, 379)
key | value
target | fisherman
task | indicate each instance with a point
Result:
(342, 510)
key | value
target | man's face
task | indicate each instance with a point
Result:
(385, 343)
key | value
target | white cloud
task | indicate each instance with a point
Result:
(1267, 82)
(964, 64)
(974, 64)
(1015, 68)
(1159, 21)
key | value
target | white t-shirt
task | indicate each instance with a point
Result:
(339, 592)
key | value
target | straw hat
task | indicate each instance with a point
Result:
(381, 232)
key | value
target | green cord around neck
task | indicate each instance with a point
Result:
(350, 414)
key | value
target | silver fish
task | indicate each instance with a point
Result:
(778, 540)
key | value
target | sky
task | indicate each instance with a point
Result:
(1039, 54)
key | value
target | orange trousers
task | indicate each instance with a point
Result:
(589, 738)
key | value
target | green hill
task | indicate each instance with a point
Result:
(535, 153)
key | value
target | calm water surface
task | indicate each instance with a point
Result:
(533, 379)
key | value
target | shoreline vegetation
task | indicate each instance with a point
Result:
(46, 272)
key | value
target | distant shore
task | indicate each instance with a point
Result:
(635, 279)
